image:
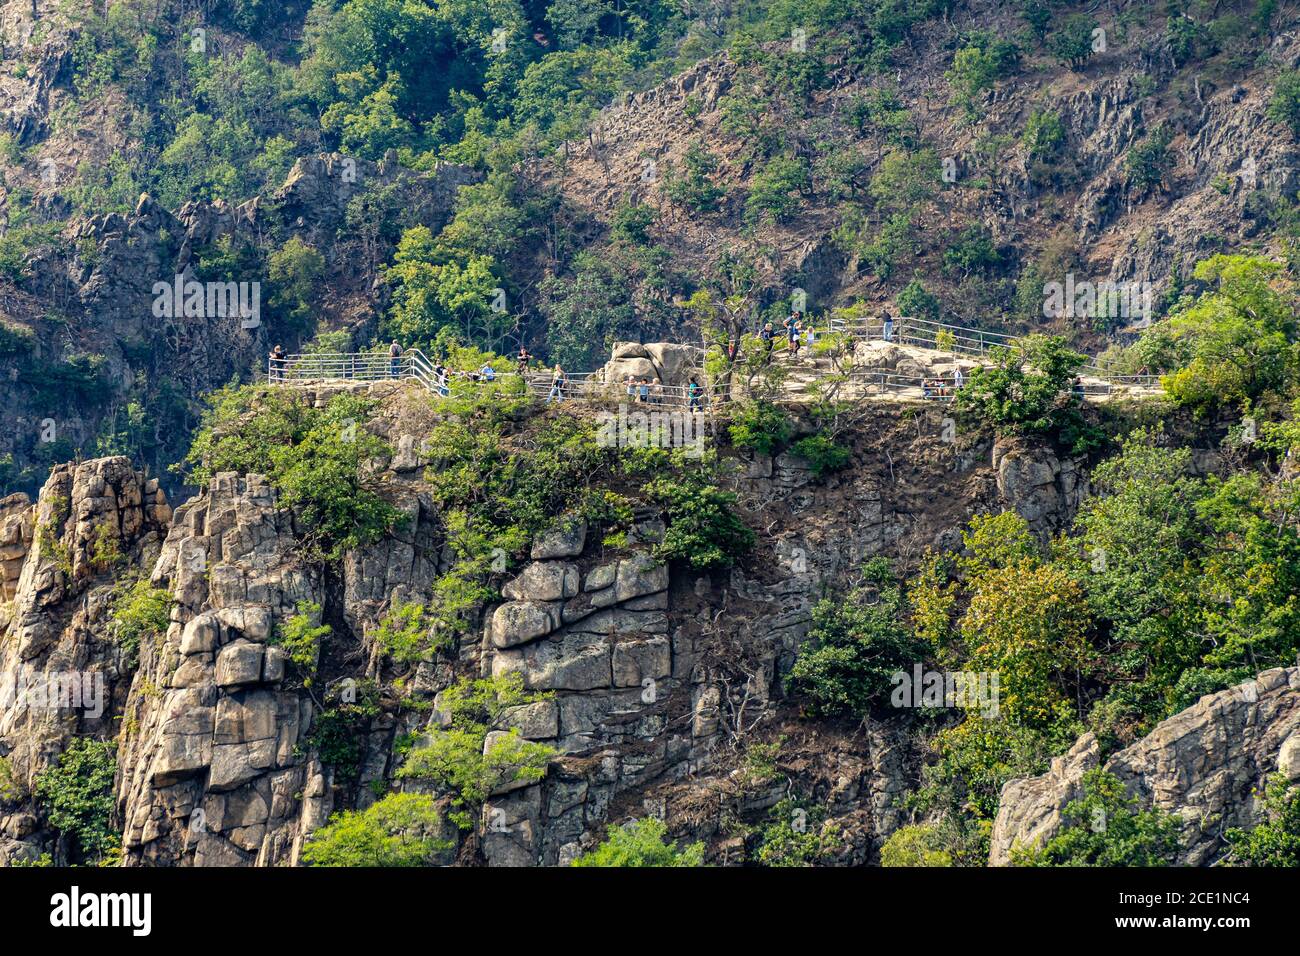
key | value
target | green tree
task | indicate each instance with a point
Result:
(854, 646)
(296, 270)
(76, 794)
(1026, 389)
(433, 290)
(641, 843)
(399, 830)
(1275, 841)
(1239, 336)
(1072, 44)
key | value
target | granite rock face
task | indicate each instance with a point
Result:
(63, 675)
(1204, 764)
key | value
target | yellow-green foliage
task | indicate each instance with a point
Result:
(914, 845)
(300, 635)
(11, 788)
(641, 843)
(455, 757)
(139, 611)
(406, 633)
(402, 829)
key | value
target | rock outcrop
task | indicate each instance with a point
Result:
(61, 672)
(1205, 764)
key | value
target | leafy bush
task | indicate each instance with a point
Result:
(456, 758)
(11, 788)
(139, 611)
(703, 527)
(917, 301)
(76, 794)
(300, 635)
(1284, 106)
(1072, 43)
(823, 454)
(759, 426)
(406, 633)
(313, 458)
(402, 829)
(774, 192)
(1044, 134)
(694, 187)
(854, 647)
(1147, 163)
(340, 729)
(1236, 342)
(914, 845)
(796, 835)
(641, 843)
(1276, 841)
(1026, 389)
(972, 252)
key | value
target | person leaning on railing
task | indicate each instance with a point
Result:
(276, 365)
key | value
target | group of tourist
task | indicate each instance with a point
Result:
(797, 330)
(644, 391)
(938, 388)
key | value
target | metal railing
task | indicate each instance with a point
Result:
(412, 364)
(957, 340)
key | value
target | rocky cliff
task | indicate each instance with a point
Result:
(1207, 765)
(660, 677)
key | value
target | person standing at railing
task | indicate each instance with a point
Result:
(631, 387)
(440, 377)
(487, 373)
(958, 378)
(523, 362)
(557, 385)
(887, 328)
(276, 372)
(693, 395)
(394, 360)
(643, 391)
(767, 335)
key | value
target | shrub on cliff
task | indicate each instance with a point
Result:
(402, 829)
(855, 645)
(458, 758)
(703, 527)
(313, 458)
(139, 611)
(76, 794)
(1276, 841)
(641, 843)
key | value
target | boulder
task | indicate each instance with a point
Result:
(239, 663)
(566, 540)
(543, 581)
(519, 622)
